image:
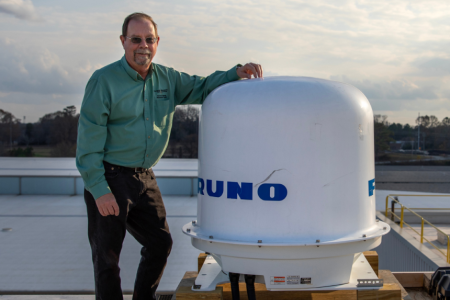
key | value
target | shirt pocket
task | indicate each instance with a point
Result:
(163, 111)
(162, 93)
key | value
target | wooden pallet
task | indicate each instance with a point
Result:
(415, 284)
(391, 290)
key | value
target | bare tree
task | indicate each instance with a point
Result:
(382, 134)
(9, 129)
(184, 136)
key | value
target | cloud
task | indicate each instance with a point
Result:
(432, 66)
(399, 94)
(321, 38)
(37, 70)
(21, 9)
(395, 52)
(396, 89)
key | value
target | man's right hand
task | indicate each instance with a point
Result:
(107, 205)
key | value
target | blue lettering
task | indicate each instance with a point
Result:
(219, 188)
(201, 185)
(371, 187)
(245, 192)
(280, 192)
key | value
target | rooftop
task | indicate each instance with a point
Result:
(47, 250)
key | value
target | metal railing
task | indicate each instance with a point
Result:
(394, 199)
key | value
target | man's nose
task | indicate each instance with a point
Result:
(143, 44)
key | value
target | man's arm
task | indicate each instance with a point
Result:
(194, 89)
(92, 131)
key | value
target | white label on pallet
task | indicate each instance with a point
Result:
(293, 279)
(276, 280)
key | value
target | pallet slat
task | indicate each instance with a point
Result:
(185, 292)
(389, 278)
(389, 291)
(410, 279)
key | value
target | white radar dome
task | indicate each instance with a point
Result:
(286, 180)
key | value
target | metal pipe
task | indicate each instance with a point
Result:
(448, 249)
(423, 221)
(386, 210)
(250, 282)
(401, 217)
(418, 132)
(234, 281)
(421, 232)
(393, 209)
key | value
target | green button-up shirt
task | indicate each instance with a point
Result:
(126, 120)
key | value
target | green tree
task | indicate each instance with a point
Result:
(9, 130)
(183, 141)
(383, 136)
(446, 121)
(58, 127)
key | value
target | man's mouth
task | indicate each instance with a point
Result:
(143, 53)
(142, 58)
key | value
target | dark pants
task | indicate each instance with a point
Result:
(142, 213)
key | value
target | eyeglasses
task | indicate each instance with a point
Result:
(138, 40)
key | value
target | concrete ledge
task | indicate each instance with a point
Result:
(9, 185)
(59, 176)
(48, 185)
(177, 186)
(52, 185)
(66, 167)
(79, 186)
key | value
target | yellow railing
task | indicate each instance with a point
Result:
(402, 221)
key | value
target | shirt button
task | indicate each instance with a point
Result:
(148, 136)
(147, 119)
(145, 100)
(147, 155)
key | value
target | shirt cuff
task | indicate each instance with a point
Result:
(100, 189)
(232, 73)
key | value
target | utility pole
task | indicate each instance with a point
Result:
(418, 134)
(10, 131)
(28, 138)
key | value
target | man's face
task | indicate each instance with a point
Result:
(139, 55)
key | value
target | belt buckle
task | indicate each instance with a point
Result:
(140, 170)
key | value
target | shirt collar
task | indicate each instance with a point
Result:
(131, 72)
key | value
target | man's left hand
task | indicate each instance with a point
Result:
(247, 70)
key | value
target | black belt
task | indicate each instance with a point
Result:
(135, 170)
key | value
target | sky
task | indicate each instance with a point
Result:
(396, 52)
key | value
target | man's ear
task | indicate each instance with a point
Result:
(122, 39)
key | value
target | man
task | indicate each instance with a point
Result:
(124, 127)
